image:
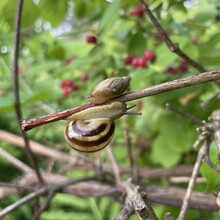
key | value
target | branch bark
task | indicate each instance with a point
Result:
(28, 124)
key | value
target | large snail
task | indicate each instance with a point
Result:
(92, 129)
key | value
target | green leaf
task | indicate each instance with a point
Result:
(191, 50)
(172, 141)
(206, 16)
(30, 13)
(53, 11)
(137, 44)
(57, 53)
(110, 16)
(38, 68)
(163, 154)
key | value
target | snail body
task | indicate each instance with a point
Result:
(114, 110)
(109, 89)
(93, 128)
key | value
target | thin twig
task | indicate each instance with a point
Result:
(17, 163)
(133, 166)
(134, 203)
(16, 87)
(14, 185)
(190, 117)
(201, 154)
(174, 47)
(115, 167)
(41, 191)
(28, 124)
(209, 162)
(203, 105)
(50, 196)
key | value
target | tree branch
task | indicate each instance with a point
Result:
(28, 124)
(174, 47)
(41, 191)
(16, 87)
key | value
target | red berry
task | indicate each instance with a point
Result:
(139, 62)
(183, 66)
(75, 87)
(137, 11)
(142, 62)
(84, 77)
(66, 83)
(149, 55)
(63, 84)
(135, 62)
(69, 83)
(66, 91)
(91, 39)
(170, 70)
(128, 60)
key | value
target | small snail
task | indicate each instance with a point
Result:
(109, 89)
(93, 128)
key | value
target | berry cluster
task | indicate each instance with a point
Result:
(68, 86)
(140, 62)
(182, 67)
(91, 39)
(137, 11)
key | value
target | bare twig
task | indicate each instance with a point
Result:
(50, 195)
(41, 191)
(190, 117)
(134, 203)
(17, 163)
(133, 166)
(200, 156)
(20, 187)
(174, 47)
(170, 196)
(203, 105)
(74, 158)
(115, 167)
(209, 162)
(16, 87)
(28, 124)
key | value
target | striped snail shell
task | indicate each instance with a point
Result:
(89, 135)
(92, 129)
(109, 89)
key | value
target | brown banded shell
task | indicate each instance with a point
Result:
(89, 135)
(108, 89)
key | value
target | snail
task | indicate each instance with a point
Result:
(93, 128)
(109, 89)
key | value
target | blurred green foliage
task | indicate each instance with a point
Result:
(53, 48)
